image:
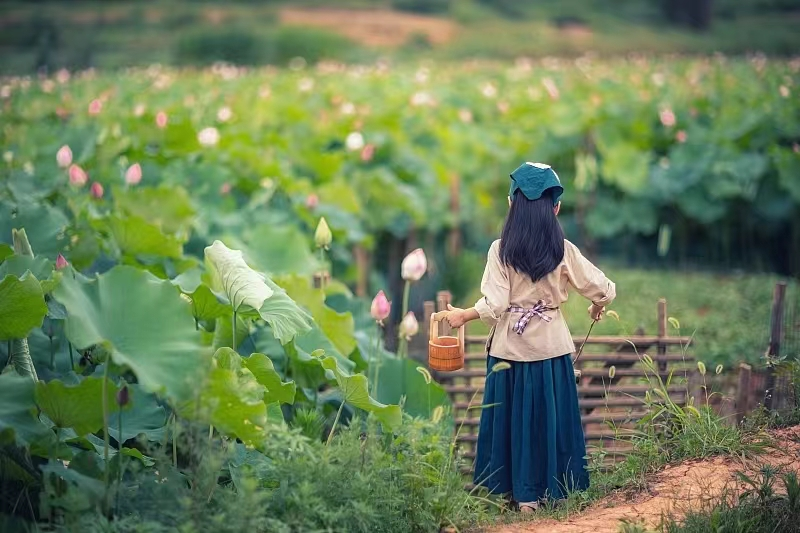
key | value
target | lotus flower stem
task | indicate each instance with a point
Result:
(402, 350)
(377, 361)
(233, 332)
(71, 359)
(52, 353)
(106, 440)
(335, 422)
(119, 459)
(175, 441)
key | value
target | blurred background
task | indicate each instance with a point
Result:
(674, 124)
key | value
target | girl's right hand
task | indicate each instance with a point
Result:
(596, 312)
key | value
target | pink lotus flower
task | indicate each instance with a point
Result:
(381, 307)
(225, 188)
(61, 262)
(312, 201)
(667, 117)
(409, 326)
(367, 152)
(414, 265)
(680, 136)
(77, 176)
(64, 156)
(161, 120)
(134, 174)
(95, 107)
(96, 190)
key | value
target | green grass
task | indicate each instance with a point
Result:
(728, 315)
(125, 33)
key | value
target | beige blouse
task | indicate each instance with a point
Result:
(504, 287)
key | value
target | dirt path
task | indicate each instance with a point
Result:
(372, 27)
(674, 490)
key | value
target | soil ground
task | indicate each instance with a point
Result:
(673, 491)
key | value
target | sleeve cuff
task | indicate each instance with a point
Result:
(485, 312)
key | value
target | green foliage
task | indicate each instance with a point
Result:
(232, 45)
(79, 407)
(164, 353)
(22, 306)
(422, 6)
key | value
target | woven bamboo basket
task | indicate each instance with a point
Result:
(445, 353)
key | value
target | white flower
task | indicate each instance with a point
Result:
(489, 90)
(28, 168)
(421, 98)
(138, 111)
(347, 108)
(208, 137)
(465, 115)
(414, 265)
(305, 85)
(224, 114)
(354, 141)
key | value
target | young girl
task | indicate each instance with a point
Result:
(531, 443)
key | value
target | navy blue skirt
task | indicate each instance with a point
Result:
(530, 443)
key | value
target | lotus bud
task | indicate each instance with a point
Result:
(409, 326)
(134, 174)
(61, 262)
(95, 107)
(97, 190)
(161, 120)
(367, 152)
(414, 265)
(323, 236)
(64, 156)
(123, 396)
(77, 176)
(381, 307)
(224, 114)
(312, 201)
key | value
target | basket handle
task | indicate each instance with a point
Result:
(433, 334)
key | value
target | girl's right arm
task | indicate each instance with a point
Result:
(588, 280)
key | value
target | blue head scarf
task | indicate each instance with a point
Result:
(534, 180)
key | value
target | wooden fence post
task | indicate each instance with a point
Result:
(662, 333)
(743, 392)
(775, 337)
(454, 237)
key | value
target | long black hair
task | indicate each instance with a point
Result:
(532, 242)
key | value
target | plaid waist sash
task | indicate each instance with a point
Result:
(527, 314)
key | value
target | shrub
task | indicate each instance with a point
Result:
(422, 6)
(228, 45)
(311, 44)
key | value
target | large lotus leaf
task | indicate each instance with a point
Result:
(610, 217)
(18, 410)
(145, 324)
(79, 407)
(338, 327)
(233, 402)
(145, 416)
(737, 175)
(206, 305)
(168, 207)
(230, 275)
(399, 378)
(17, 265)
(251, 464)
(285, 317)
(136, 236)
(6, 251)
(626, 167)
(279, 249)
(355, 389)
(43, 224)
(788, 164)
(223, 332)
(264, 371)
(22, 306)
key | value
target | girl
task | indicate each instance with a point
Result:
(530, 443)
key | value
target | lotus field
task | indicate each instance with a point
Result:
(160, 231)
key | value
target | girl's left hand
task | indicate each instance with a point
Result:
(455, 316)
